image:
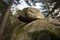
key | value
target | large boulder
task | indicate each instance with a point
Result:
(37, 28)
(40, 29)
(30, 14)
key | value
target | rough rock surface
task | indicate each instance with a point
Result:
(40, 29)
(30, 14)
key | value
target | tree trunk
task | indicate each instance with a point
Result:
(4, 20)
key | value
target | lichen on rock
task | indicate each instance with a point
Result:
(37, 28)
(32, 31)
(30, 14)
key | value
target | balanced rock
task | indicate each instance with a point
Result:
(30, 14)
(40, 29)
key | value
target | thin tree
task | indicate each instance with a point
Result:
(4, 20)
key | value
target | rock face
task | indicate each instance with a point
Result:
(40, 29)
(30, 14)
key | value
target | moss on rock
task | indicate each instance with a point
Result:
(33, 31)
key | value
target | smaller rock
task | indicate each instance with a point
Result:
(30, 14)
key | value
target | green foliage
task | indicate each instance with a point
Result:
(2, 6)
(49, 4)
(18, 12)
(12, 24)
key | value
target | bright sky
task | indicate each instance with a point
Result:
(24, 5)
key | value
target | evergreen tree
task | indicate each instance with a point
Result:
(52, 5)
